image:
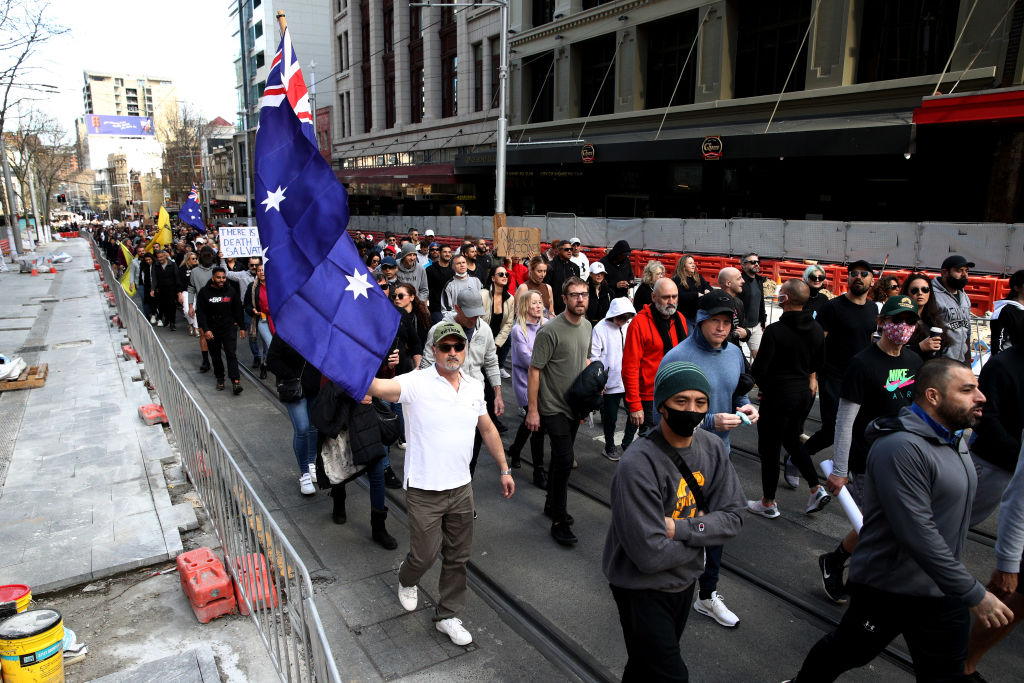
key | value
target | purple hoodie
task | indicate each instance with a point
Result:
(522, 350)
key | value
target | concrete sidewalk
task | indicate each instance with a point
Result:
(84, 496)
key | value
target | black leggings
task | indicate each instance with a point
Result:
(829, 384)
(536, 444)
(780, 424)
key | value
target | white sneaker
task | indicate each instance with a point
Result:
(409, 597)
(716, 609)
(791, 475)
(306, 485)
(505, 374)
(758, 508)
(312, 472)
(400, 444)
(453, 627)
(152, 320)
(819, 499)
(159, 323)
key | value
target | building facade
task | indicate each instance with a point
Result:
(686, 108)
(125, 94)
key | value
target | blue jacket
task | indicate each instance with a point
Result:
(722, 366)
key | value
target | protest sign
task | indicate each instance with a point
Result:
(240, 241)
(516, 242)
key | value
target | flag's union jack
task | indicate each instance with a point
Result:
(193, 196)
(285, 80)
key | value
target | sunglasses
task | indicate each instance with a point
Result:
(752, 263)
(893, 286)
(816, 278)
(859, 273)
(457, 346)
(501, 274)
(920, 290)
(396, 297)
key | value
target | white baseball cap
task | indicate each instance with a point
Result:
(575, 240)
(429, 233)
(597, 267)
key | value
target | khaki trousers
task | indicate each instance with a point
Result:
(440, 521)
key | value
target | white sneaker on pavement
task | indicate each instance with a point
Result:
(409, 597)
(819, 499)
(716, 609)
(159, 323)
(791, 474)
(758, 508)
(505, 374)
(306, 485)
(453, 627)
(312, 473)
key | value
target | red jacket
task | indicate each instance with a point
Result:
(642, 355)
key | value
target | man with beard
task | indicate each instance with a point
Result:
(849, 321)
(442, 406)
(955, 306)
(560, 353)
(438, 275)
(617, 268)
(722, 363)
(410, 271)
(198, 278)
(906, 576)
(752, 296)
(560, 270)
(657, 328)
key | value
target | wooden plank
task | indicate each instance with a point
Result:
(31, 378)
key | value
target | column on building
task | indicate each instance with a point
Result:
(403, 96)
(517, 108)
(567, 92)
(466, 64)
(355, 39)
(628, 72)
(830, 61)
(431, 64)
(377, 65)
(716, 53)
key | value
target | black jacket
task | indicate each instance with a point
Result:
(335, 412)
(437, 277)
(791, 349)
(696, 288)
(753, 301)
(166, 278)
(558, 272)
(287, 364)
(219, 309)
(1002, 416)
(600, 301)
(616, 272)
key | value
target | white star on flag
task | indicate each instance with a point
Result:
(263, 255)
(274, 199)
(358, 285)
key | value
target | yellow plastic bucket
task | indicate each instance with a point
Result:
(32, 647)
(18, 593)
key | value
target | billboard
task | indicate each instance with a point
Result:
(119, 125)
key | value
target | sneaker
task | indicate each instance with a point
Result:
(400, 444)
(152, 320)
(563, 535)
(791, 475)
(312, 471)
(306, 485)
(612, 453)
(522, 412)
(454, 629)
(832, 579)
(391, 481)
(759, 508)
(715, 608)
(819, 499)
(505, 374)
(220, 385)
(159, 323)
(409, 597)
(236, 387)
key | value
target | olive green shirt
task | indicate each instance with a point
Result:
(560, 352)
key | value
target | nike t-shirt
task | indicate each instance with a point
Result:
(881, 384)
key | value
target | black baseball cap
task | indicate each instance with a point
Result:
(860, 263)
(716, 302)
(956, 261)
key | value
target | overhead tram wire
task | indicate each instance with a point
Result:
(955, 46)
(983, 46)
(796, 57)
(682, 71)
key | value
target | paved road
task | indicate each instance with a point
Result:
(771, 580)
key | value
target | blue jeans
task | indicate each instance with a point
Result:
(304, 438)
(377, 492)
(503, 352)
(252, 341)
(265, 337)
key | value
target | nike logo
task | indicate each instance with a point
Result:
(898, 384)
(826, 573)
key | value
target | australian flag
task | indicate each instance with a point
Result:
(190, 214)
(323, 299)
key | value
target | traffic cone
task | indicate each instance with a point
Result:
(53, 269)
(34, 271)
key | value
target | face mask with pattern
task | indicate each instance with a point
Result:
(898, 333)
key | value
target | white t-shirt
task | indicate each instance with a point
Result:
(440, 424)
(583, 262)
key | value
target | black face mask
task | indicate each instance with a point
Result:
(957, 282)
(683, 422)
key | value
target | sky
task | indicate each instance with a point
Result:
(188, 41)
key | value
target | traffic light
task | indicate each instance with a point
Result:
(62, 198)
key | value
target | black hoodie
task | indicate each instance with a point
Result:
(791, 349)
(615, 273)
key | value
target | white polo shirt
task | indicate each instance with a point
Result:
(440, 424)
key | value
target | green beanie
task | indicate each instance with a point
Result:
(679, 376)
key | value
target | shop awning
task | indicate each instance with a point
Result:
(992, 105)
(424, 173)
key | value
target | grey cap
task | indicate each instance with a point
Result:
(470, 303)
(408, 248)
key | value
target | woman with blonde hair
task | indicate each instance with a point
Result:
(653, 271)
(529, 318)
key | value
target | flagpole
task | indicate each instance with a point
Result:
(281, 21)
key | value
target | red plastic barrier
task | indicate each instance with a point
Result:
(208, 587)
(152, 414)
(130, 353)
(255, 581)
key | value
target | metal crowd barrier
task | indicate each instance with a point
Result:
(273, 584)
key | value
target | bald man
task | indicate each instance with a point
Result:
(731, 281)
(657, 328)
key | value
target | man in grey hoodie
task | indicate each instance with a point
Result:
(198, 278)
(674, 493)
(409, 270)
(955, 306)
(906, 576)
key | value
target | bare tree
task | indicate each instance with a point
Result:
(24, 26)
(40, 147)
(182, 153)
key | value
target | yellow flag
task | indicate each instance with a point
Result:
(163, 235)
(126, 279)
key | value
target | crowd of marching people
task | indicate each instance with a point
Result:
(669, 364)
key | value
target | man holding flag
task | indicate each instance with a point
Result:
(163, 235)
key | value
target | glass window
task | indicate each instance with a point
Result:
(540, 78)
(905, 38)
(596, 91)
(668, 44)
(770, 33)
